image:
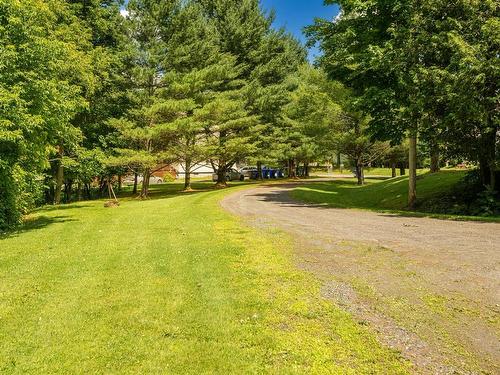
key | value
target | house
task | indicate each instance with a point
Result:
(198, 170)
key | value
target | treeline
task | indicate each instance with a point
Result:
(425, 70)
(91, 91)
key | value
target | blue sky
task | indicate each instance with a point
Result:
(293, 15)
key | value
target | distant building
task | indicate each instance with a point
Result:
(198, 170)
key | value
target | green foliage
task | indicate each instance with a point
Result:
(467, 197)
(42, 72)
(414, 66)
(9, 210)
(488, 203)
(314, 116)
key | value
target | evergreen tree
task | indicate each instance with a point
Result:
(195, 71)
(141, 132)
(279, 57)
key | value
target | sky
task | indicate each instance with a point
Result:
(294, 15)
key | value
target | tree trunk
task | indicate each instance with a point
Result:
(145, 183)
(134, 191)
(393, 169)
(221, 176)
(402, 169)
(59, 176)
(493, 178)
(259, 171)
(412, 186)
(68, 191)
(306, 169)
(119, 182)
(187, 175)
(102, 186)
(435, 158)
(79, 191)
(487, 158)
(339, 161)
(88, 191)
(360, 173)
(292, 173)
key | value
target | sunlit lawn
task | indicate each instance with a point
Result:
(168, 285)
(381, 193)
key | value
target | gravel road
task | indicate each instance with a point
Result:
(429, 287)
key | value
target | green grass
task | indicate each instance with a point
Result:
(168, 285)
(384, 194)
(387, 172)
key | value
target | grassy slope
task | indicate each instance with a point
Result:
(387, 172)
(386, 195)
(168, 285)
(367, 171)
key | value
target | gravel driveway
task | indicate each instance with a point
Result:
(430, 288)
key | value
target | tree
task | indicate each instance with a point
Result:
(412, 63)
(314, 117)
(398, 155)
(278, 58)
(43, 69)
(242, 27)
(355, 142)
(195, 71)
(228, 126)
(140, 129)
(359, 51)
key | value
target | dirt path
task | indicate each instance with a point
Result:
(430, 288)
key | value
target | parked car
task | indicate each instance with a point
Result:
(249, 172)
(129, 180)
(231, 175)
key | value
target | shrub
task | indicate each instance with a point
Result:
(468, 197)
(10, 213)
(487, 203)
(168, 177)
(20, 192)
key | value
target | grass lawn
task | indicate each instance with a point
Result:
(368, 171)
(168, 285)
(382, 194)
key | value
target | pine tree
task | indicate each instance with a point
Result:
(279, 57)
(141, 131)
(195, 71)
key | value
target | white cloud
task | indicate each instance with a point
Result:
(124, 13)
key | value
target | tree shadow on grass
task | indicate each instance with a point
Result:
(173, 190)
(284, 199)
(64, 206)
(35, 223)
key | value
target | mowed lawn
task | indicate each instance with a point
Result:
(384, 194)
(171, 285)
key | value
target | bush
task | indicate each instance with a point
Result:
(168, 177)
(10, 214)
(468, 197)
(487, 203)
(20, 192)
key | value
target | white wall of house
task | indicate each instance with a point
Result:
(199, 170)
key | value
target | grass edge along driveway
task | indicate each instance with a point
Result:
(168, 285)
(386, 194)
